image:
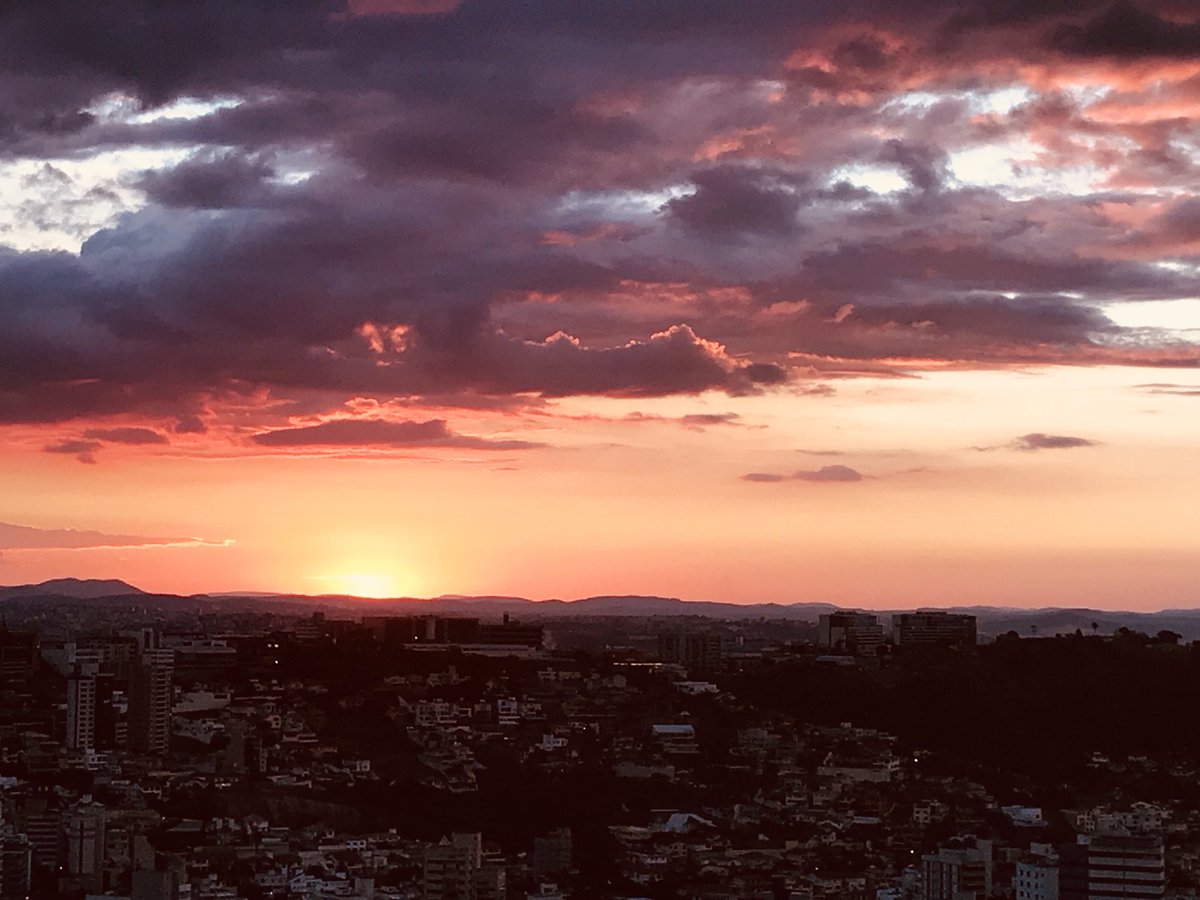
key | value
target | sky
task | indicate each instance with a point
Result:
(875, 302)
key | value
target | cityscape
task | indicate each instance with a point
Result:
(600, 449)
(200, 747)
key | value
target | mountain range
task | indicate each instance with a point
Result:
(992, 619)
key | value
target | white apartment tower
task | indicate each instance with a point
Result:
(81, 705)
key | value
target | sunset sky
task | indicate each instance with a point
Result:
(874, 302)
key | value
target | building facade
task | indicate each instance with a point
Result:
(150, 688)
(1113, 867)
(850, 632)
(1035, 878)
(81, 705)
(951, 874)
(933, 629)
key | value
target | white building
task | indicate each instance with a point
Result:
(81, 705)
(1036, 878)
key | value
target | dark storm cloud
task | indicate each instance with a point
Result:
(475, 204)
(674, 361)
(729, 202)
(214, 181)
(1128, 31)
(190, 425)
(880, 266)
(925, 167)
(157, 49)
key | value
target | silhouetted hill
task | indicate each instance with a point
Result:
(77, 588)
(993, 620)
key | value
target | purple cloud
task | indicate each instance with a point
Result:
(380, 433)
(829, 473)
(84, 451)
(25, 537)
(1039, 441)
(764, 477)
(825, 474)
(132, 436)
(513, 236)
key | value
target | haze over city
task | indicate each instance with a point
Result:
(870, 303)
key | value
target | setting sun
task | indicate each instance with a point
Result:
(362, 584)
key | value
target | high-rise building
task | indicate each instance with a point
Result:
(456, 630)
(16, 864)
(18, 656)
(951, 874)
(491, 882)
(933, 629)
(81, 705)
(150, 702)
(552, 853)
(698, 650)
(1113, 867)
(513, 633)
(456, 869)
(851, 632)
(83, 845)
(40, 820)
(155, 884)
(1035, 878)
(450, 868)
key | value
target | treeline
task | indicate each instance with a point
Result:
(1040, 706)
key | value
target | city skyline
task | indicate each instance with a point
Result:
(883, 305)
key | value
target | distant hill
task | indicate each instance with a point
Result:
(631, 605)
(76, 588)
(993, 620)
(673, 606)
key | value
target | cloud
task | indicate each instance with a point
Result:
(84, 451)
(730, 201)
(190, 425)
(1126, 32)
(93, 440)
(214, 180)
(381, 433)
(829, 473)
(826, 474)
(692, 421)
(1169, 389)
(700, 421)
(818, 390)
(925, 167)
(138, 437)
(1039, 441)
(25, 537)
(582, 199)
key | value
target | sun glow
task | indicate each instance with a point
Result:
(376, 585)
